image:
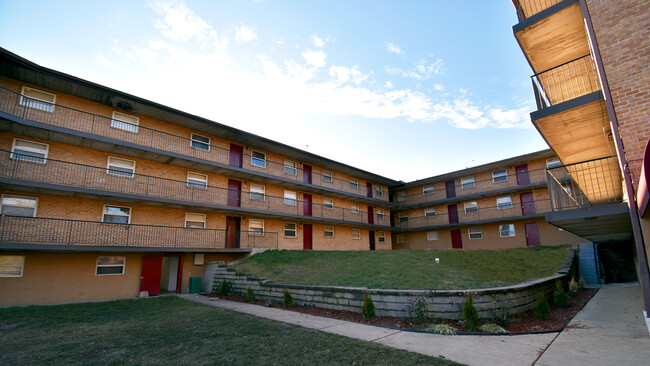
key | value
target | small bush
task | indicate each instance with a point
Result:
(287, 299)
(417, 309)
(443, 329)
(224, 288)
(560, 298)
(470, 314)
(502, 315)
(492, 328)
(542, 309)
(581, 282)
(250, 295)
(368, 309)
(573, 286)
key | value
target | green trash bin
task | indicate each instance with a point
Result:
(195, 285)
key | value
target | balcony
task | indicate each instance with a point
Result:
(50, 175)
(101, 128)
(527, 8)
(56, 234)
(565, 82)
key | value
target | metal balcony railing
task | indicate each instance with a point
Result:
(47, 231)
(26, 108)
(23, 168)
(527, 8)
(565, 82)
(585, 184)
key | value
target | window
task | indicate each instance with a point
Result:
(196, 180)
(401, 196)
(471, 207)
(194, 221)
(18, 206)
(401, 238)
(354, 183)
(11, 265)
(258, 159)
(290, 167)
(500, 176)
(110, 266)
(475, 233)
(37, 99)
(427, 190)
(379, 191)
(125, 122)
(354, 208)
(403, 217)
(432, 235)
(356, 234)
(328, 231)
(381, 237)
(553, 163)
(258, 193)
(200, 142)
(290, 198)
(289, 230)
(29, 151)
(327, 176)
(380, 214)
(429, 212)
(116, 214)
(504, 203)
(121, 167)
(507, 230)
(328, 203)
(467, 182)
(256, 227)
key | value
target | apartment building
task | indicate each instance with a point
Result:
(493, 206)
(590, 65)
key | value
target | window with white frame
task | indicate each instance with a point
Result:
(194, 221)
(381, 236)
(354, 208)
(404, 217)
(290, 230)
(426, 190)
(37, 99)
(401, 196)
(475, 233)
(354, 183)
(467, 182)
(125, 122)
(553, 163)
(432, 235)
(11, 265)
(29, 151)
(258, 159)
(196, 180)
(290, 198)
(429, 212)
(507, 230)
(401, 238)
(121, 167)
(256, 227)
(328, 231)
(110, 266)
(356, 234)
(504, 203)
(257, 192)
(379, 191)
(116, 214)
(328, 203)
(290, 167)
(500, 175)
(327, 176)
(18, 205)
(380, 214)
(471, 207)
(200, 142)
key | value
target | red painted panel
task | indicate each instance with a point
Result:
(522, 174)
(527, 203)
(452, 210)
(371, 235)
(150, 275)
(236, 154)
(451, 188)
(306, 173)
(234, 193)
(456, 239)
(369, 189)
(306, 237)
(371, 216)
(643, 192)
(306, 208)
(532, 234)
(233, 227)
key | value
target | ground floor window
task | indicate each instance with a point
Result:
(381, 236)
(11, 265)
(328, 231)
(475, 233)
(290, 230)
(356, 234)
(432, 235)
(507, 230)
(110, 266)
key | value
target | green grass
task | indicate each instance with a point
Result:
(173, 331)
(406, 269)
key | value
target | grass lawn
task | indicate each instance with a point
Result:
(406, 269)
(172, 331)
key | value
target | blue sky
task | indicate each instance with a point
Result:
(405, 89)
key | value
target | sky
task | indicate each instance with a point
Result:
(404, 89)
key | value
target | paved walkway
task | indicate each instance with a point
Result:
(608, 337)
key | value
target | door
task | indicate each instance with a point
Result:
(150, 275)
(522, 174)
(306, 201)
(236, 155)
(306, 237)
(172, 273)
(371, 217)
(456, 239)
(527, 203)
(371, 235)
(234, 193)
(453, 214)
(532, 234)
(369, 189)
(233, 227)
(451, 188)
(306, 173)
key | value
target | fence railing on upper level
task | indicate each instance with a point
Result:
(565, 82)
(30, 109)
(527, 8)
(48, 231)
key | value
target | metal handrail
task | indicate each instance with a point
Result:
(564, 82)
(527, 8)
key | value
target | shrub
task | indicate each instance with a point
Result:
(368, 308)
(573, 286)
(287, 299)
(224, 288)
(417, 309)
(542, 309)
(250, 295)
(501, 315)
(560, 298)
(470, 314)
(443, 329)
(492, 328)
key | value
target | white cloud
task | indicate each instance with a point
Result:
(513, 118)
(421, 70)
(438, 87)
(345, 74)
(388, 85)
(317, 41)
(393, 48)
(179, 22)
(245, 34)
(315, 58)
(102, 60)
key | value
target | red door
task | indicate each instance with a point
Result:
(234, 193)
(453, 214)
(456, 239)
(233, 227)
(306, 237)
(369, 189)
(532, 234)
(371, 217)
(150, 275)
(306, 173)
(306, 201)
(522, 174)
(527, 203)
(371, 235)
(236, 154)
(451, 188)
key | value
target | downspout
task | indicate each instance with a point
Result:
(644, 273)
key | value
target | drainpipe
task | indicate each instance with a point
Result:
(644, 273)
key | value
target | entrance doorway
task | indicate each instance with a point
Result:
(456, 239)
(306, 237)
(522, 174)
(162, 272)
(233, 227)
(532, 234)
(371, 235)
